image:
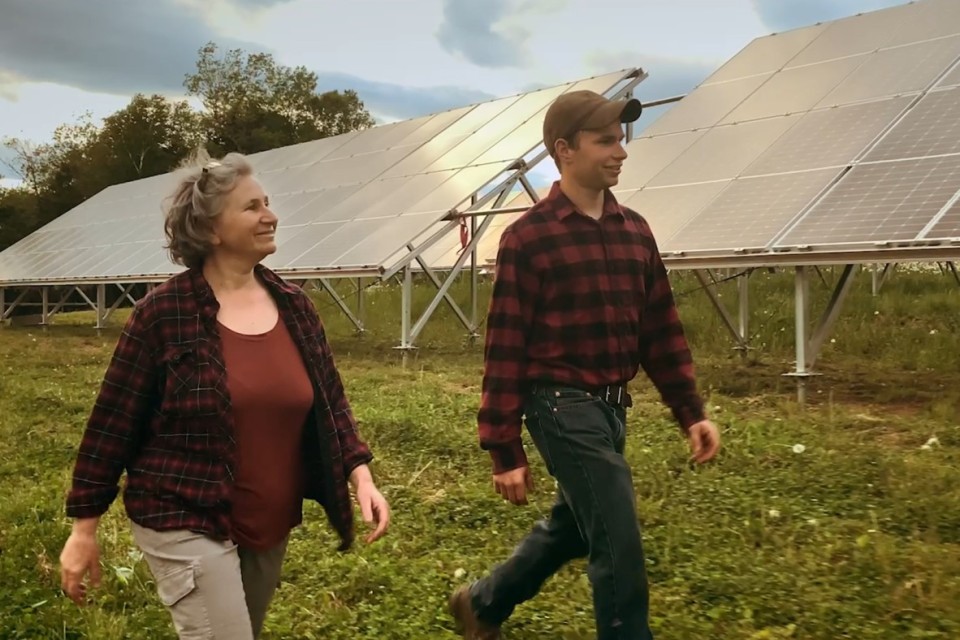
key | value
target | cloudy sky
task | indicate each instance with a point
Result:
(62, 58)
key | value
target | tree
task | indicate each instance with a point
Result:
(252, 104)
(149, 136)
(49, 170)
(18, 215)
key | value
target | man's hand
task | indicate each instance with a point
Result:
(704, 440)
(514, 484)
(373, 506)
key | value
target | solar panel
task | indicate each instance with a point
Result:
(855, 35)
(951, 79)
(887, 201)
(896, 71)
(926, 20)
(828, 137)
(356, 198)
(766, 54)
(932, 127)
(794, 90)
(646, 157)
(750, 211)
(947, 227)
(706, 106)
(723, 152)
(667, 209)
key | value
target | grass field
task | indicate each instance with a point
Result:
(856, 534)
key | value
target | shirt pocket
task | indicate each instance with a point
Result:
(188, 389)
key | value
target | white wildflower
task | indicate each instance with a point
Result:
(773, 513)
(799, 448)
(459, 573)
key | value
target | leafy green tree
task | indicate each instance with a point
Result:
(252, 104)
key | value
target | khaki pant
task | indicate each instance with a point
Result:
(214, 590)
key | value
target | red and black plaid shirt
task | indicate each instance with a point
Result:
(580, 302)
(163, 415)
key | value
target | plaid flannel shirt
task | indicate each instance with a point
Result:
(578, 302)
(163, 415)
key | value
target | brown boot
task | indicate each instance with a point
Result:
(467, 623)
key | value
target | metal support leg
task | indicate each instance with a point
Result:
(950, 265)
(457, 268)
(3, 305)
(628, 134)
(801, 294)
(361, 315)
(44, 306)
(13, 305)
(101, 305)
(340, 303)
(830, 314)
(744, 300)
(531, 192)
(879, 277)
(473, 283)
(62, 302)
(405, 313)
(740, 338)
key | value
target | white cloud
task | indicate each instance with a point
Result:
(783, 15)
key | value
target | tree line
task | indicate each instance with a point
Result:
(250, 103)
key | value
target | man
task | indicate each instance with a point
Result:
(580, 303)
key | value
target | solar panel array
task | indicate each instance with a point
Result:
(347, 202)
(831, 136)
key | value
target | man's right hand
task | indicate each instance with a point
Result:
(80, 557)
(514, 484)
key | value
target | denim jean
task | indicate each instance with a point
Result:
(581, 439)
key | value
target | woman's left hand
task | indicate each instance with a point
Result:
(373, 506)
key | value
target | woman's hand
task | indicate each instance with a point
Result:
(80, 558)
(373, 506)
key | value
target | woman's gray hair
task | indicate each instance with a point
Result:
(196, 201)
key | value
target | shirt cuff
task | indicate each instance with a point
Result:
(689, 414)
(508, 456)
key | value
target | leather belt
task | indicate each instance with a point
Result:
(613, 394)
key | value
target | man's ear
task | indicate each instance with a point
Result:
(562, 150)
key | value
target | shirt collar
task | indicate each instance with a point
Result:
(208, 302)
(563, 207)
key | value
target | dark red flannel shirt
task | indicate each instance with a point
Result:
(578, 302)
(163, 415)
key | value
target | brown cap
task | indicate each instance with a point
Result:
(584, 111)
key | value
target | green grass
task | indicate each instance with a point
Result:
(856, 537)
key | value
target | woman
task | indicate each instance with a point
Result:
(223, 404)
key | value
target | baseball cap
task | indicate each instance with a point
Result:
(584, 110)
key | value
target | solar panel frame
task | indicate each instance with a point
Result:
(723, 152)
(647, 157)
(794, 90)
(667, 209)
(878, 202)
(766, 54)
(706, 106)
(750, 212)
(832, 137)
(900, 70)
(854, 35)
(931, 127)
(946, 226)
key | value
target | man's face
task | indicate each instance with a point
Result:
(597, 159)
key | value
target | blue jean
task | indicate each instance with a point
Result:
(581, 439)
